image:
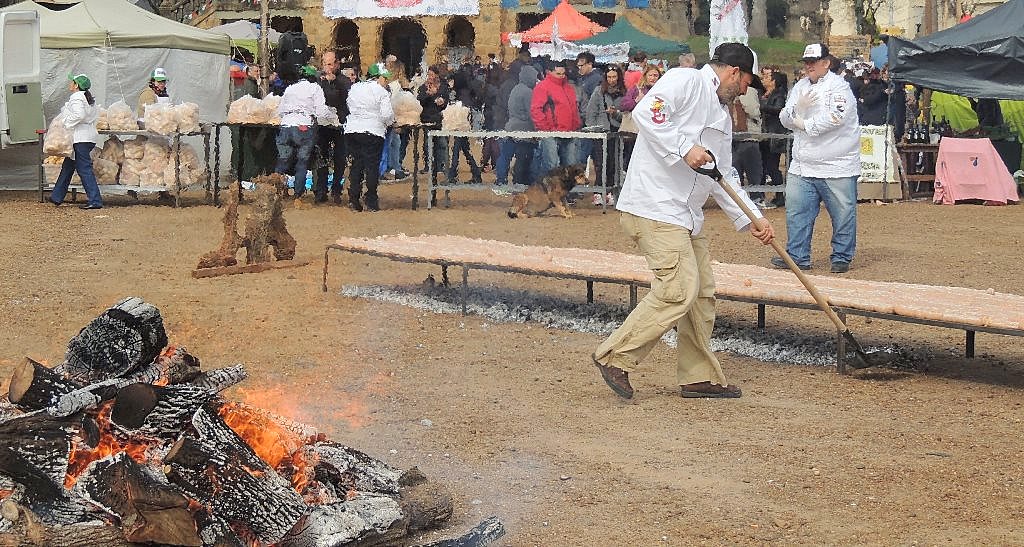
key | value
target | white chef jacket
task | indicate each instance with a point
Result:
(369, 109)
(671, 119)
(829, 144)
(300, 103)
(80, 117)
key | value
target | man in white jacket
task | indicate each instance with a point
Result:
(680, 120)
(822, 112)
(369, 115)
(300, 106)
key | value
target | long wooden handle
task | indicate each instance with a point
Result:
(818, 297)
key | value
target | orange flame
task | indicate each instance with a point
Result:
(280, 448)
(81, 455)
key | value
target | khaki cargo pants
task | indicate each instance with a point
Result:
(682, 295)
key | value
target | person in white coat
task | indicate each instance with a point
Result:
(822, 112)
(369, 116)
(80, 114)
(683, 117)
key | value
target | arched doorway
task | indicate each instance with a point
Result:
(346, 44)
(459, 41)
(404, 38)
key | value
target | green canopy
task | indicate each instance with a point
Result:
(624, 31)
(117, 23)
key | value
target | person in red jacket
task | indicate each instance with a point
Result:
(553, 108)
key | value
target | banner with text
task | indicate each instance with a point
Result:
(355, 9)
(877, 154)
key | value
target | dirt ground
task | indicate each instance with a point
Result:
(516, 420)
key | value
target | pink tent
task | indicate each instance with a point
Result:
(972, 169)
(572, 25)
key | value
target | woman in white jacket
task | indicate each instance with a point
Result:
(79, 113)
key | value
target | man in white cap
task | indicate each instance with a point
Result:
(822, 113)
(156, 92)
(681, 121)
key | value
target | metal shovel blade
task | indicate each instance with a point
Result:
(862, 359)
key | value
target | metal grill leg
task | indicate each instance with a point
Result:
(632, 296)
(840, 347)
(760, 316)
(590, 292)
(444, 275)
(970, 343)
(465, 287)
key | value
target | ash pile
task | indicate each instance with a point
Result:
(129, 441)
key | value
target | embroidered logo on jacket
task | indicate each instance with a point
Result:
(658, 110)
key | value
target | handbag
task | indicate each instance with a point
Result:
(627, 125)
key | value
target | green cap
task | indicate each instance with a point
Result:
(378, 70)
(308, 70)
(82, 80)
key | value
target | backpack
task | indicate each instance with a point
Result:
(293, 51)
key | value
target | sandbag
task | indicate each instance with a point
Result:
(407, 108)
(101, 120)
(113, 150)
(248, 109)
(130, 171)
(156, 155)
(271, 103)
(105, 170)
(121, 118)
(188, 117)
(59, 140)
(160, 119)
(135, 148)
(455, 117)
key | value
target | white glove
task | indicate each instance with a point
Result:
(799, 123)
(804, 103)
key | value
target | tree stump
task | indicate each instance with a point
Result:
(265, 227)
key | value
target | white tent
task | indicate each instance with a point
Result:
(118, 44)
(246, 34)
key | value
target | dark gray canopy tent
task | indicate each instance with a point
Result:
(981, 58)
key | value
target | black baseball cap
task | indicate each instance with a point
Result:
(740, 56)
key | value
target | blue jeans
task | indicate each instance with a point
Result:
(506, 147)
(83, 164)
(555, 151)
(585, 150)
(803, 198)
(294, 145)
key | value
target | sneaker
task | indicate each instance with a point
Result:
(840, 267)
(355, 206)
(609, 199)
(778, 262)
(616, 378)
(597, 201)
(707, 390)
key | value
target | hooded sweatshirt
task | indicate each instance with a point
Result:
(553, 106)
(519, 101)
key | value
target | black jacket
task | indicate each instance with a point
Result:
(431, 111)
(336, 94)
(871, 103)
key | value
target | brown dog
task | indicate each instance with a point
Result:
(550, 191)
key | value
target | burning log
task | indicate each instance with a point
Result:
(127, 336)
(488, 531)
(157, 411)
(34, 451)
(34, 386)
(218, 469)
(30, 531)
(220, 379)
(149, 509)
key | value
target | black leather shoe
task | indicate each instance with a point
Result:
(55, 204)
(89, 206)
(840, 267)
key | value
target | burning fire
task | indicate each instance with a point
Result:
(273, 443)
(82, 455)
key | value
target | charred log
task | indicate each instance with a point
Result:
(29, 530)
(426, 504)
(157, 411)
(218, 469)
(488, 531)
(365, 520)
(220, 379)
(34, 386)
(127, 336)
(34, 451)
(349, 469)
(149, 509)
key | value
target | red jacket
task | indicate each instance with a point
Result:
(553, 106)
